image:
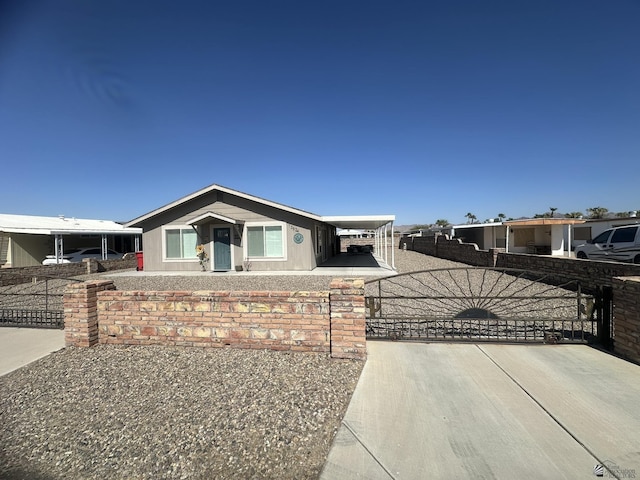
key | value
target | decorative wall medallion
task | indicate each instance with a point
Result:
(298, 238)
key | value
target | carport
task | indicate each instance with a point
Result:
(26, 240)
(381, 225)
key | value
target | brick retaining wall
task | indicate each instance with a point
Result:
(330, 321)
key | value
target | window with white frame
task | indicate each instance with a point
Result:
(265, 241)
(180, 243)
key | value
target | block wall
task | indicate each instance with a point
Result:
(18, 275)
(591, 273)
(326, 321)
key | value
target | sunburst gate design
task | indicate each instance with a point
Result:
(479, 303)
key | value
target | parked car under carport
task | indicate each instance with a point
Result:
(79, 254)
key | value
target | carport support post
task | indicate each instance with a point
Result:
(348, 324)
(81, 312)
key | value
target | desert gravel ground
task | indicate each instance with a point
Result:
(169, 412)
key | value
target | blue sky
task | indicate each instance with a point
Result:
(422, 109)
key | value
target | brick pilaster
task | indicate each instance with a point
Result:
(348, 339)
(81, 312)
(626, 317)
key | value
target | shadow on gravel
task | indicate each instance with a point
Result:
(19, 474)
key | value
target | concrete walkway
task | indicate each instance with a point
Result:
(342, 265)
(21, 346)
(453, 411)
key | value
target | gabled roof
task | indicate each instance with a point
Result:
(220, 188)
(215, 216)
(36, 225)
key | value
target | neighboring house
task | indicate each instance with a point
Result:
(243, 232)
(25, 240)
(485, 235)
(542, 236)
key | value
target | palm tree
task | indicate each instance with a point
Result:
(472, 218)
(442, 222)
(553, 211)
(573, 215)
(597, 212)
(501, 216)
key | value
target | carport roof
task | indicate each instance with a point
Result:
(36, 225)
(368, 222)
(532, 222)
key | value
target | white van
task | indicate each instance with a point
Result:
(619, 243)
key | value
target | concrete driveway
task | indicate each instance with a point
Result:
(21, 346)
(490, 411)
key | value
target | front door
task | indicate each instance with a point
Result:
(222, 248)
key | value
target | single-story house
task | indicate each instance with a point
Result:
(25, 240)
(544, 236)
(238, 231)
(485, 235)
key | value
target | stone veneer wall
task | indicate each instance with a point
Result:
(626, 317)
(331, 321)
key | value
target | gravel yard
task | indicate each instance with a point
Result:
(162, 412)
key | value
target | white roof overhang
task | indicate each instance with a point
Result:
(367, 222)
(36, 225)
(476, 225)
(536, 222)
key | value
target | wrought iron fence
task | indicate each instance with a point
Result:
(37, 303)
(480, 304)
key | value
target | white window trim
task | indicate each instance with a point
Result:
(245, 242)
(164, 245)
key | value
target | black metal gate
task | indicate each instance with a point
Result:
(484, 304)
(34, 302)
